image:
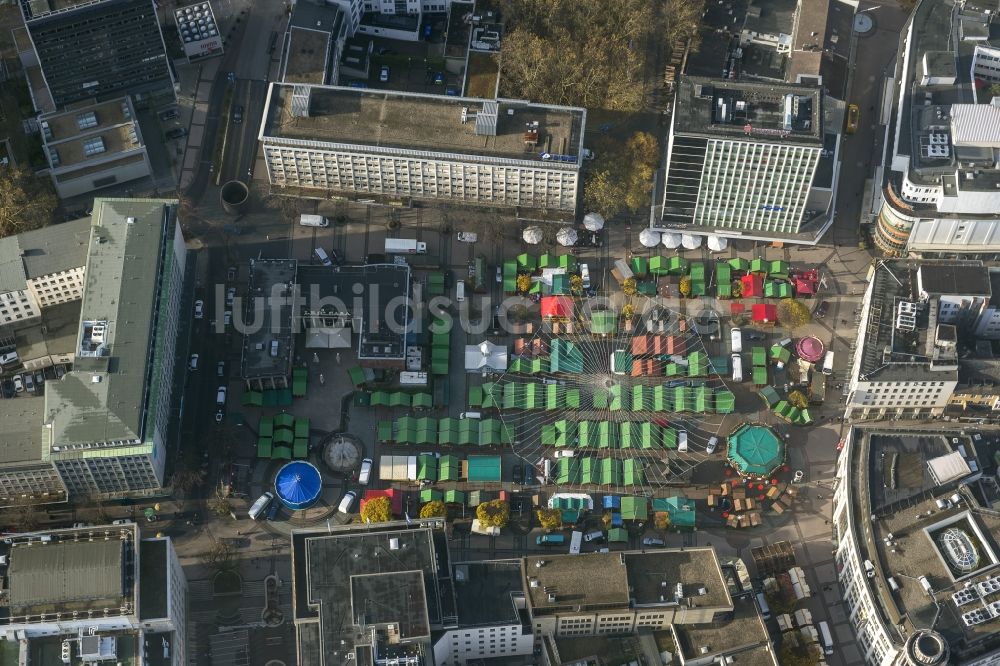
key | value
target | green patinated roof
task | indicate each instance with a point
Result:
(124, 265)
(755, 450)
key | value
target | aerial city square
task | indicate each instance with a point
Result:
(499, 332)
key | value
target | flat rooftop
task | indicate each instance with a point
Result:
(696, 568)
(335, 572)
(22, 427)
(64, 575)
(381, 329)
(895, 282)
(53, 334)
(153, 571)
(918, 525)
(270, 279)
(612, 580)
(104, 398)
(92, 132)
(485, 591)
(55, 248)
(744, 636)
(38, 8)
(770, 17)
(961, 279)
(393, 122)
(308, 54)
(768, 112)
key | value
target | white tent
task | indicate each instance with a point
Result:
(717, 243)
(593, 222)
(671, 241)
(690, 241)
(567, 236)
(532, 235)
(649, 238)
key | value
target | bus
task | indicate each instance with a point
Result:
(853, 116)
(575, 543)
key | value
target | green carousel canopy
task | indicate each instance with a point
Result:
(754, 450)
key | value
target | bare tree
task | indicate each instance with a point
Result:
(26, 202)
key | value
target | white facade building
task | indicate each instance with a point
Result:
(905, 364)
(91, 590)
(941, 185)
(742, 159)
(403, 146)
(893, 563)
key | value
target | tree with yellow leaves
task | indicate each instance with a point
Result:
(377, 510)
(434, 509)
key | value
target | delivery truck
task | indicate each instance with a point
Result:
(404, 246)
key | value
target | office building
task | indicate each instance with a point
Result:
(390, 594)
(916, 551)
(742, 161)
(94, 146)
(320, 140)
(41, 268)
(940, 184)
(313, 43)
(92, 595)
(98, 48)
(104, 425)
(905, 362)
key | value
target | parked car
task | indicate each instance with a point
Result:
(193, 363)
(499, 275)
(822, 309)
(230, 296)
(220, 369)
(272, 512)
(755, 335)
(468, 236)
(238, 115)
(231, 273)
(60, 371)
(652, 541)
(227, 317)
(169, 114)
(713, 443)
(10, 358)
(383, 74)
(8, 388)
(177, 133)
(18, 384)
(122, 521)
(199, 309)
(39, 379)
(29, 383)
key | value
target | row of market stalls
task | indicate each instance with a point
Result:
(575, 506)
(445, 432)
(639, 398)
(608, 435)
(428, 467)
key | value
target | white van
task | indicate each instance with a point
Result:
(460, 290)
(470, 415)
(737, 336)
(737, 368)
(220, 396)
(828, 363)
(347, 502)
(682, 441)
(321, 253)
(313, 221)
(366, 471)
(826, 637)
(260, 506)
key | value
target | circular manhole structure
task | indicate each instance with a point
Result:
(234, 195)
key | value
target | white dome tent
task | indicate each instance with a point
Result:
(567, 237)
(690, 241)
(671, 241)
(593, 222)
(717, 243)
(532, 235)
(649, 238)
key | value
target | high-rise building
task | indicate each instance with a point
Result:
(940, 183)
(404, 146)
(105, 422)
(99, 594)
(742, 160)
(915, 553)
(98, 48)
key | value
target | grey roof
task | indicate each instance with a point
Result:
(484, 592)
(104, 398)
(22, 430)
(11, 268)
(153, 573)
(64, 572)
(698, 99)
(55, 248)
(957, 279)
